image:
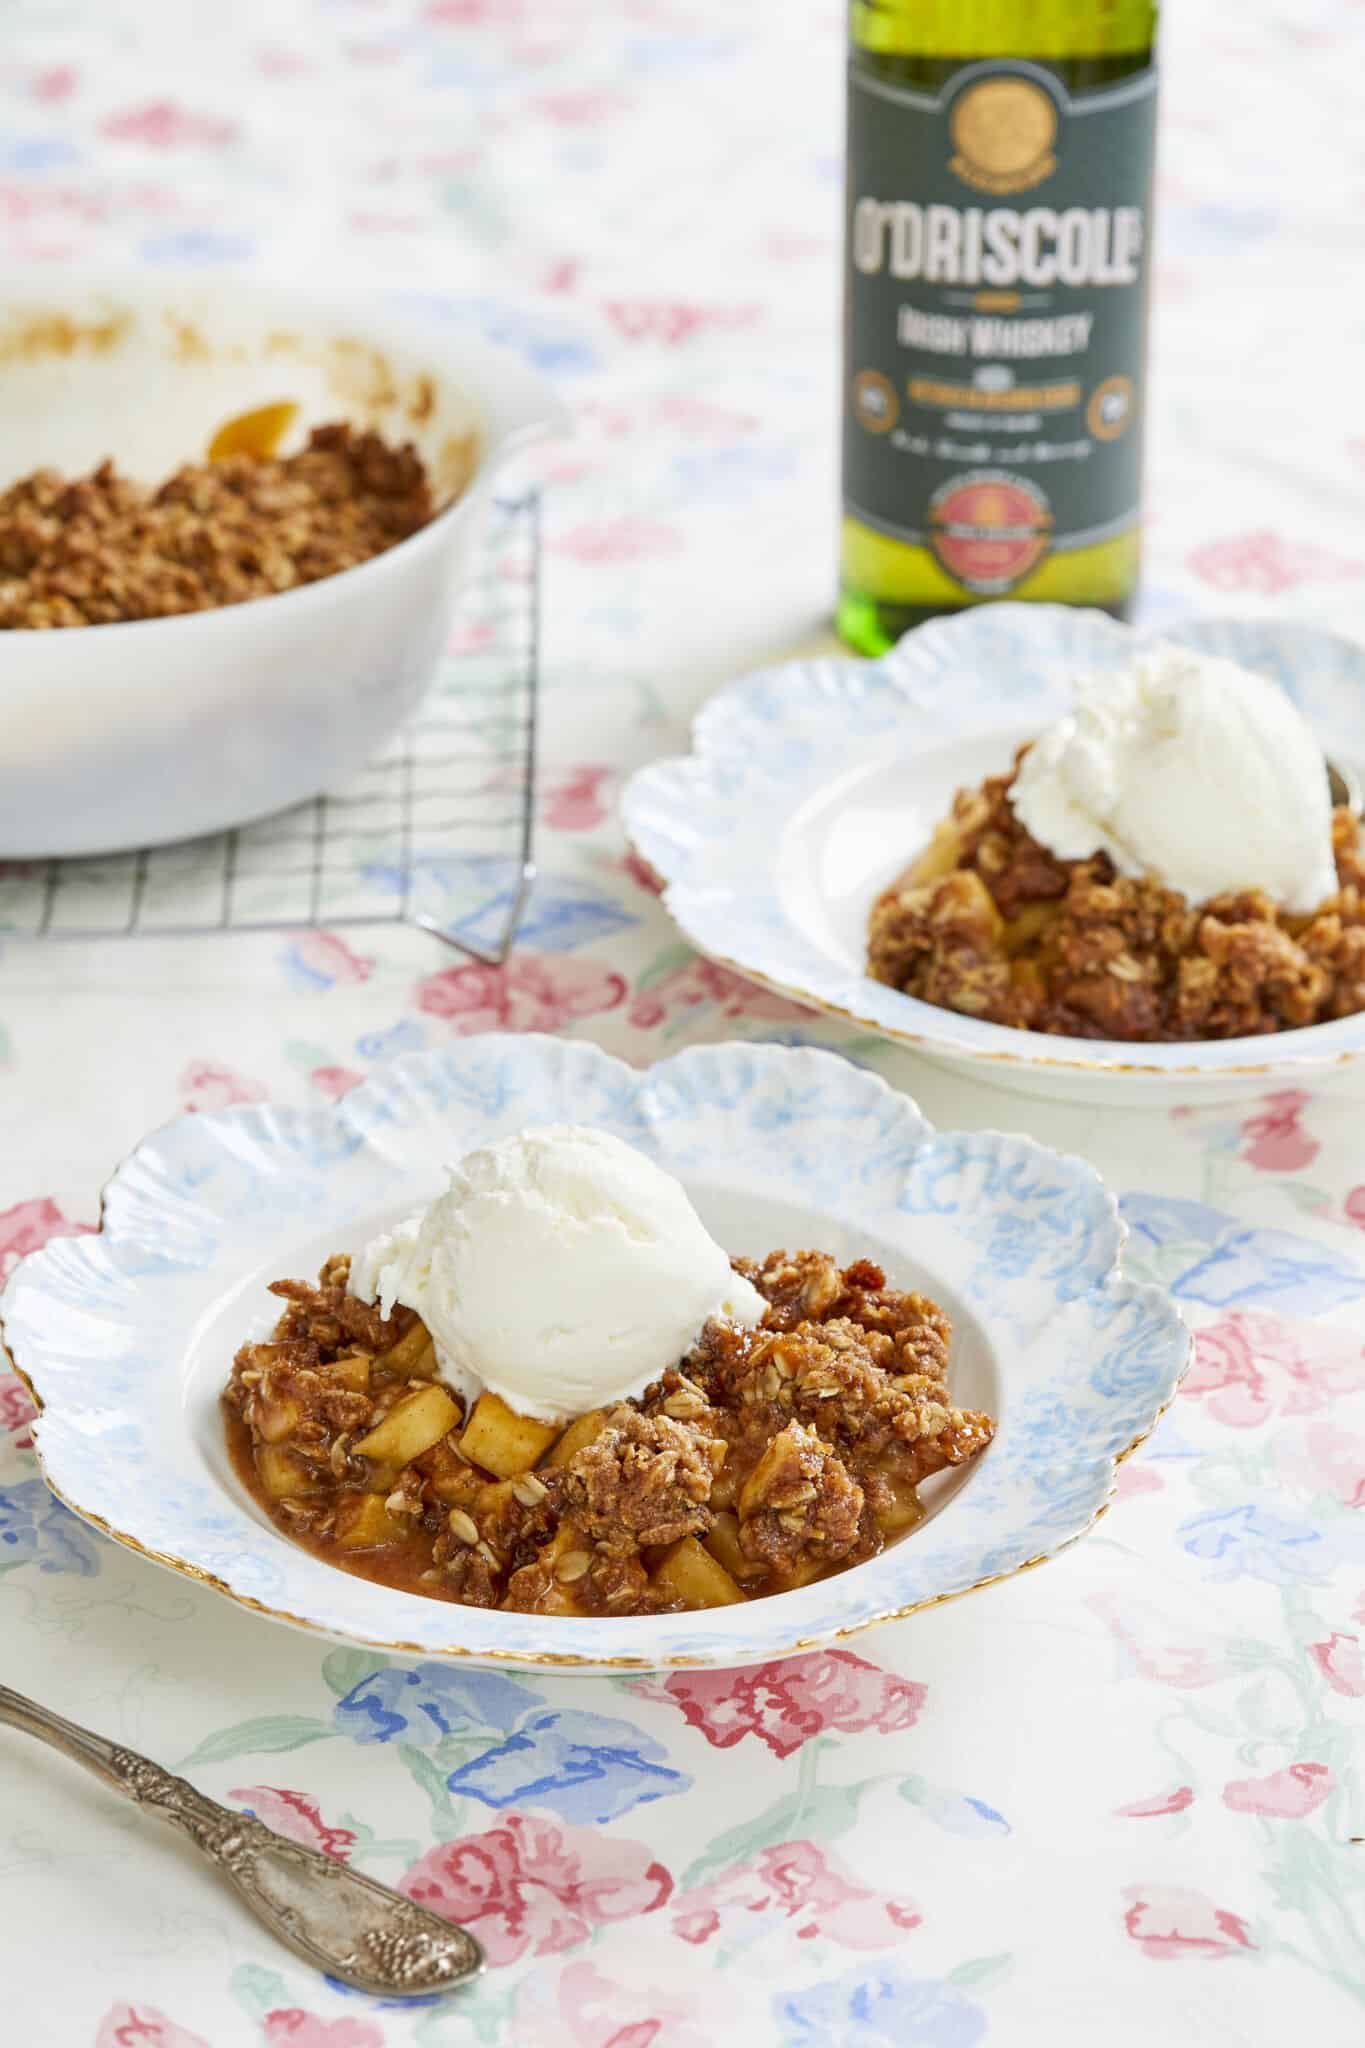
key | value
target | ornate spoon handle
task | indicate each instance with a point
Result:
(332, 1916)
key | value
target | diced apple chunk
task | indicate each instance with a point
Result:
(502, 1441)
(363, 1522)
(898, 1508)
(725, 1485)
(692, 1575)
(943, 853)
(804, 1574)
(723, 1543)
(352, 1370)
(274, 1416)
(402, 1357)
(382, 1477)
(411, 1426)
(579, 1435)
(284, 1474)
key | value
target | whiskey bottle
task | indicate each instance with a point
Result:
(998, 249)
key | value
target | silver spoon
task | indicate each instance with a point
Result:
(337, 1920)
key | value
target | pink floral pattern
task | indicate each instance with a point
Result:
(1165, 1802)
(1135, 1477)
(639, 2002)
(166, 126)
(334, 1082)
(1291, 1794)
(1322, 1459)
(1342, 1663)
(1158, 1650)
(532, 992)
(28, 1226)
(289, 2026)
(1275, 1139)
(204, 1084)
(575, 803)
(642, 874)
(1268, 564)
(56, 83)
(786, 1703)
(605, 543)
(697, 985)
(327, 956)
(142, 2026)
(529, 1887)
(16, 1410)
(1171, 1925)
(802, 1884)
(295, 1816)
(673, 321)
(1251, 1366)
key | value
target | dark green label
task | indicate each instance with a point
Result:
(997, 256)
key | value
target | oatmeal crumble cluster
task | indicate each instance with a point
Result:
(101, 549)
(766, 1457)
(989, 923)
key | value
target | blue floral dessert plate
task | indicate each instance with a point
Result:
(126, 1337)
(811, 786)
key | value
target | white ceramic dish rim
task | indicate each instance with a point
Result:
(166, 1198)
(671, 807)
(517, 408)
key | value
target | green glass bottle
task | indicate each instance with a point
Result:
(998, 237)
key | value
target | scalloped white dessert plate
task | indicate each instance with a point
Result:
(811, 785)
(126, 1337)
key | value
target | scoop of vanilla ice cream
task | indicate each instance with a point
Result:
(561, 1269)
(1190, 770)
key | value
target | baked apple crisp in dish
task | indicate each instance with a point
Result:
(236, 519)
(777, 1449)
(104, 549)
(1164, 864)
(542, 1418)
(1029, 842)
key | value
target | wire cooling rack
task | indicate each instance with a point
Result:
(437, 832)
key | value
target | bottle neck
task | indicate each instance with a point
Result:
(1057, 29)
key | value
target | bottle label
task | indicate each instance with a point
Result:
(995, 314)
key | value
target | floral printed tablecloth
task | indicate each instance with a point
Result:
(1112, 1801)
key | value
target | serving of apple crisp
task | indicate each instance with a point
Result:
(769, 1457)
(988, 922)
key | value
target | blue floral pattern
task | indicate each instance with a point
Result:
(1257, 1543)
(587, 1768)
(1213, 1259)
(420, 1704)
(883, 2008)
(36, 1529)
(584, 1767)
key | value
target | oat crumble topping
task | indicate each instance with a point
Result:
(987, 922)
(101, 549)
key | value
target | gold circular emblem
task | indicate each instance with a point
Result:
(1003, 131)
(875, 404)
(1110, 408)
